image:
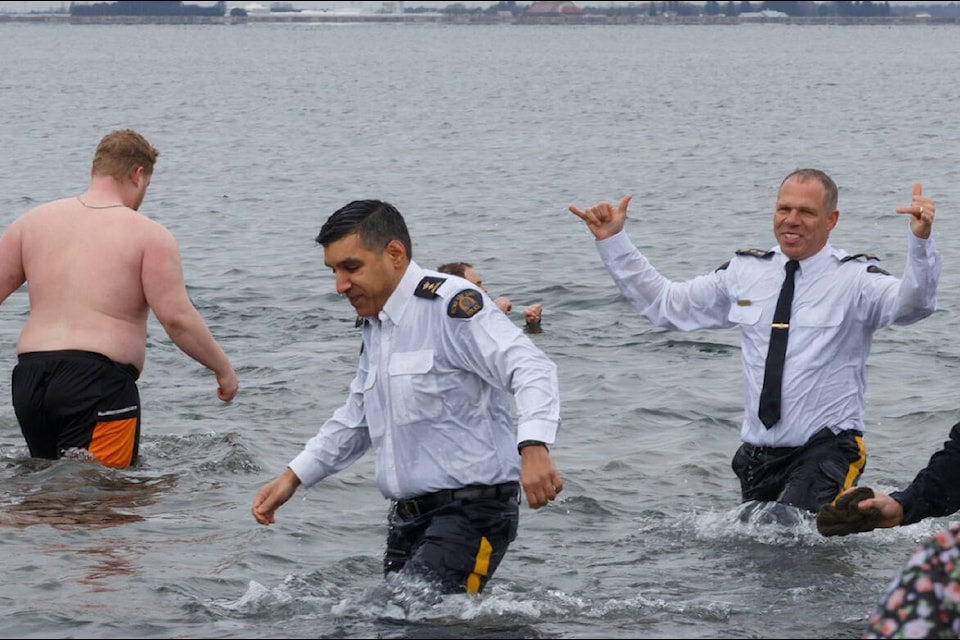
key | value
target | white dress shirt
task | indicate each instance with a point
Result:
(432, 395)
(837, 306)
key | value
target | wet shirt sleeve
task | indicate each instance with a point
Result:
(700, 303)
(910, 298)
(500, 353)
(341, 440)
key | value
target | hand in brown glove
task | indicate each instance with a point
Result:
(843, 517)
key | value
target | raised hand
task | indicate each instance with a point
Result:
(922, 209)
(604, 219)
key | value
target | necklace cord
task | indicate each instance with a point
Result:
(93, 206)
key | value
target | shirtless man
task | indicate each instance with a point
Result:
(94, 269)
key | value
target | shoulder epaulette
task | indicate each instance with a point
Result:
(875, 269)
(857, 256)
(428, 287)
(756, 253)
(465, 304)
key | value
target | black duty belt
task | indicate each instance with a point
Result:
(763, 452)
(430, 501)
(824, 433)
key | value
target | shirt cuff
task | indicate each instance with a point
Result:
(615, 245)
(544, 431)
(307, 469)
(920, 247)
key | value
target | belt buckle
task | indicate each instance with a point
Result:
(409, 508)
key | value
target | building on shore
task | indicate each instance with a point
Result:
(554, 9)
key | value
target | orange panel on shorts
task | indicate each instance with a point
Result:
(112, 442)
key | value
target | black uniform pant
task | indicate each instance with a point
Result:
(806, 477)
(454, 538)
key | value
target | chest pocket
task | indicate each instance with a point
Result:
(413, 387)
(823, 316)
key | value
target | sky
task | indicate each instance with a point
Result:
(22, 6)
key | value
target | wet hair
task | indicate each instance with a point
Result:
(829, 186)
(120, 152)
(376, 222)
(455, 268)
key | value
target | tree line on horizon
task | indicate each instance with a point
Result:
(865, 9)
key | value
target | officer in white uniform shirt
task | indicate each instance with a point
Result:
(815, 450)
(437, 368)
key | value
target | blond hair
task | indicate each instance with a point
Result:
(120, 153)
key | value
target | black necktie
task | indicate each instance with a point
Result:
(773, 372)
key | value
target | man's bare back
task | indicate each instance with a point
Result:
(86, 268)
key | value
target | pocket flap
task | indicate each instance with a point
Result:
(411, 362)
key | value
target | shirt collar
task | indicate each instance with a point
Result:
(400, 298)
(817, 263)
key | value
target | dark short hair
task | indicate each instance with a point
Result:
(377, 223)
(455, 268)
(830, 191)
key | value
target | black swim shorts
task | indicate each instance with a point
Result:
(73, 399)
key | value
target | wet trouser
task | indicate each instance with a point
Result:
(453, 538)
(806, 477)
(73, 399)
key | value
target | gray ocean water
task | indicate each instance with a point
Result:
(482, 136)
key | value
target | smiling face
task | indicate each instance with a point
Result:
(367, 278)
(803, 218)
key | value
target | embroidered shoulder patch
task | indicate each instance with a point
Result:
(756, 253)
(858, 256)
(465, 304)
(875, 269)
(428, 287)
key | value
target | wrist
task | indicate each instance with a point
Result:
(531, 443)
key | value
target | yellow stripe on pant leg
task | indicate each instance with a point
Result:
(480, 566)
(856, 467)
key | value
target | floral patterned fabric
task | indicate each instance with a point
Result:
(923, 600)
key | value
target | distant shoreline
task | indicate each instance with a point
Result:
(469, 19)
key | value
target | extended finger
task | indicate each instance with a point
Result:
(919, 208)
(590, 215)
